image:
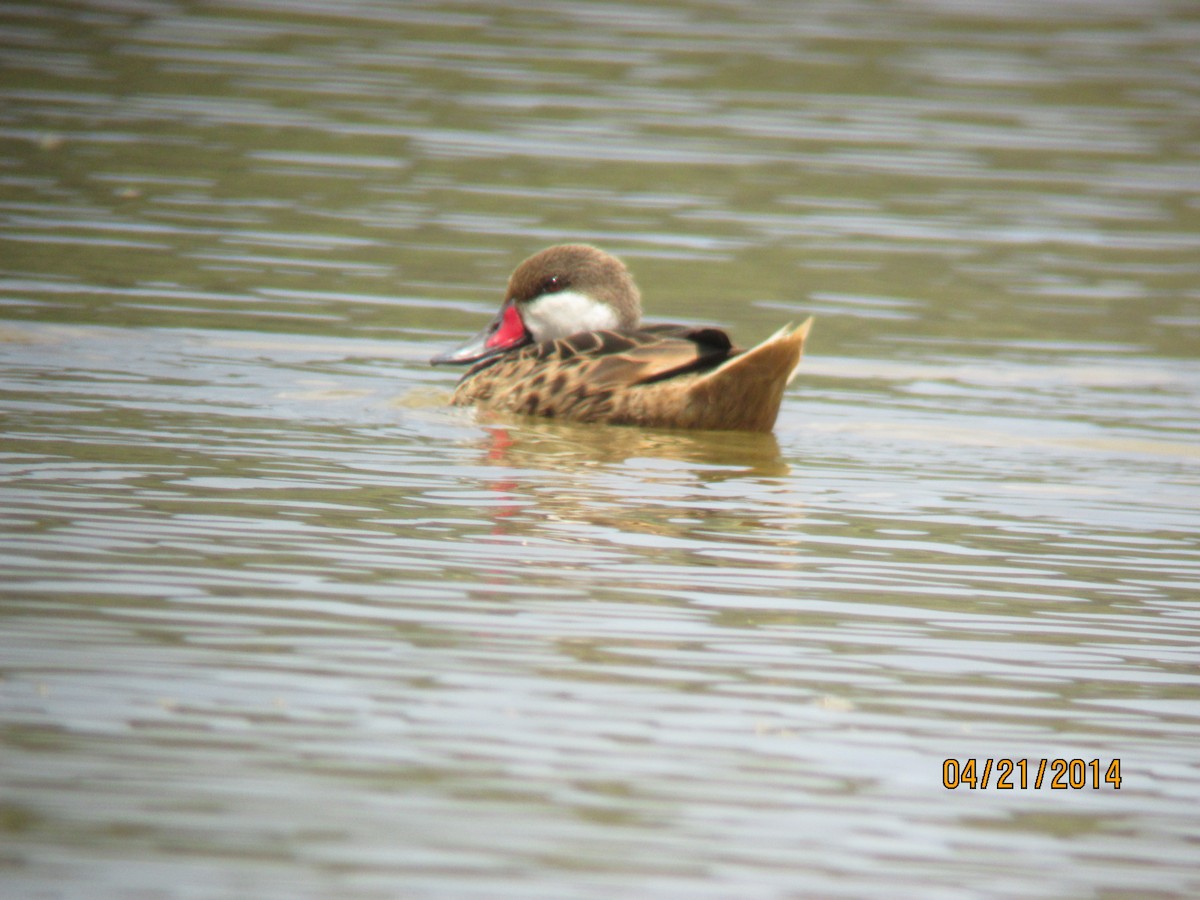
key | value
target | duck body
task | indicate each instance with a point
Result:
(534, 359)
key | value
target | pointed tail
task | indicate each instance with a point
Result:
(745, 393)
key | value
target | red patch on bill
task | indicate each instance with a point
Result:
(511, 331)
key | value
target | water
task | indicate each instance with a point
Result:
(277, 622)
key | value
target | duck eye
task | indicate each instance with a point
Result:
(553, 284)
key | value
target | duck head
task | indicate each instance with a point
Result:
(557, 292)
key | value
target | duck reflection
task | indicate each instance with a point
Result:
(711, 455)
(631, 481)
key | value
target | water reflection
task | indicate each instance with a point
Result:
(564, 486)
(253, 567)
(709, 456)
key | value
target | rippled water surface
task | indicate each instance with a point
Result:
(277, 622)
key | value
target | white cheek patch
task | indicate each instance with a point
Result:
(557, 315)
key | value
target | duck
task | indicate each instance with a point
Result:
(568, 343)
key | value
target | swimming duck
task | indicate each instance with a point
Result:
(568, 343)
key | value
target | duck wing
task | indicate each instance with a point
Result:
(612, 359)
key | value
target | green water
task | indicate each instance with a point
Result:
(277, 622)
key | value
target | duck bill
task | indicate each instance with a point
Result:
(505, 332)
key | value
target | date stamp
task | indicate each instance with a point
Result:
(1023, 774)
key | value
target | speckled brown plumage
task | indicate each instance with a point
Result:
(659, 377)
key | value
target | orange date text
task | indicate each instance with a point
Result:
(1023, 774)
